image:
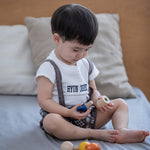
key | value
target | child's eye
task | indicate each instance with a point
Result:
(75, 50)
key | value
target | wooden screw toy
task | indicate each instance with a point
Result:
(104, 100)
(82, 146)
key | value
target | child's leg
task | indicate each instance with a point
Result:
(119, 115)
(56, 125)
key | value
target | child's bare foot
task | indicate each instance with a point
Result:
(106, 135)
(131, 136)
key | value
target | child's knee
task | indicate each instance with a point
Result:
(50, 121)
(121, 102)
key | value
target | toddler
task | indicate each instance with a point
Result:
(74, 29)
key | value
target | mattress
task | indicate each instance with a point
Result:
(20, 130)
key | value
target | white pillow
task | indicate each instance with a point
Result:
(17, 71)
(106, 53)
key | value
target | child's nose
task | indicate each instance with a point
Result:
(80, 55)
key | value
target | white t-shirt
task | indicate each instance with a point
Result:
(74, 79)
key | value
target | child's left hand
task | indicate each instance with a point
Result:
(106, 107)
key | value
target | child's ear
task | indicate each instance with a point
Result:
(56, 38)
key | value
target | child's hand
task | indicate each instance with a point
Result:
(106, 107)
(73, 113)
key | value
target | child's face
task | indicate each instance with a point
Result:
(71, 51)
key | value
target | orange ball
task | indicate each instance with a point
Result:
(93, 146)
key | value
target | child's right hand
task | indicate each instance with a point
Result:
(73, 113)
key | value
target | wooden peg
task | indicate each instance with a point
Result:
(67, 145)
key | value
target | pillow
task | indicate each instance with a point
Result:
(106, 53)
(17, 71)
(41, 38)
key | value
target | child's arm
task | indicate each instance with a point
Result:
(44, 89)
(97, 96)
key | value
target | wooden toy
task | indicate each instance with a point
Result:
(84, 107)
(104, 100)
(82, 146)
(68, 146)
(92, 146)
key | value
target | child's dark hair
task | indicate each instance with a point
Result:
(75, 22)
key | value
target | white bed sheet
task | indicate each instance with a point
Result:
(19, 125)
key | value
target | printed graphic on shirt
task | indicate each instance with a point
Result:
(77, 88)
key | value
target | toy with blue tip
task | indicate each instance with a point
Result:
(84, 107)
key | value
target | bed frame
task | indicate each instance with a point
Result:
(134, 28)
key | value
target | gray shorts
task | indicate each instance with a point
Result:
(87, 122)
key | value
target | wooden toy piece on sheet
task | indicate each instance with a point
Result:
(82, 146)
(68, 146)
